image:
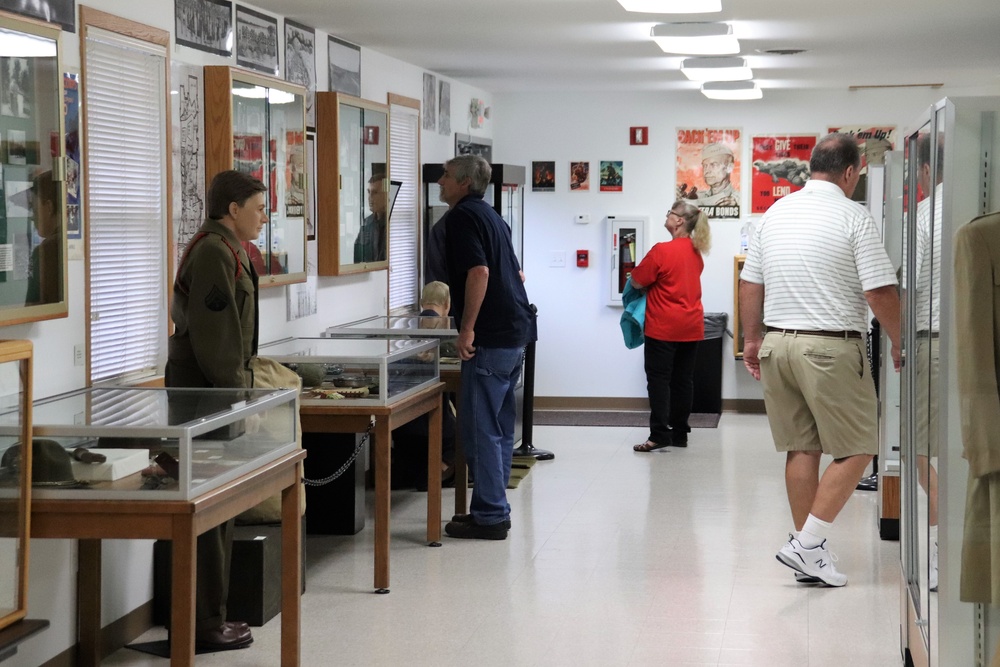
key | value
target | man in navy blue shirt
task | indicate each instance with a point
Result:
(495, 322)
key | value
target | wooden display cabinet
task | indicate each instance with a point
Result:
(257, 125)
(354, 193)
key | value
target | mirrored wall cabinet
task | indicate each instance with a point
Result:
(34, 173)
(256, 124)
(354, 190)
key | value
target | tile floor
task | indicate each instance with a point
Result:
(615, 558)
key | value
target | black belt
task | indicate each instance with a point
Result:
(812, 332)
(928, 334)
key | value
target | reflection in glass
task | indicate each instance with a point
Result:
(14, 485)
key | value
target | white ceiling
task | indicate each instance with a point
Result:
(523, 45)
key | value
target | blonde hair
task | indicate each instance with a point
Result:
(435, 293)
(696, 225)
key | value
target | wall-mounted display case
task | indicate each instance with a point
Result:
(257, 125)
(626, 237)
(363, 372)
(33, 174)
(199, 440)
(353, 196)
(15, 478)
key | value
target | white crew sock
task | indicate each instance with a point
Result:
(814, 532)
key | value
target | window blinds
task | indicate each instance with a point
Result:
(404, 165)
(126, 159)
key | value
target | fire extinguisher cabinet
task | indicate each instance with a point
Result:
(627, 238)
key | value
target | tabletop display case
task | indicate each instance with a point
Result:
(353, 196)
(142, 443)
(34, 174)
(257, 125)
(15, 478)
(363, 372)
(404, 326)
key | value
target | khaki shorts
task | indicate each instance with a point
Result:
(819, 394)
(925, 430)
(981, 541)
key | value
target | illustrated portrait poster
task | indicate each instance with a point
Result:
(779, 167)
(543, 176)
(612, 175)
(300, 63)
(873, 141)
(708, 170)
(579, 176)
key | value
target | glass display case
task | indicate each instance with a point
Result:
(257, 125)
(353, 193)
(15, 478)
(404, 326)
(143, 443)
(34, 174)
(626, 237)
(362, 371)
(949, 179)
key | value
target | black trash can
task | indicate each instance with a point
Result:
(708, 366)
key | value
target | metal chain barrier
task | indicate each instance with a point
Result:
(347, 464)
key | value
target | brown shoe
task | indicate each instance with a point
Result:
(227, 636)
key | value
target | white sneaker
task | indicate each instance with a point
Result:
(816, 562)
(932, 576)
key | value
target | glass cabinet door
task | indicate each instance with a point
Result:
(256, 125)
(33, 175)
(353, 195)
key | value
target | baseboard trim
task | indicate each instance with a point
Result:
(739, 405)
(114, 636)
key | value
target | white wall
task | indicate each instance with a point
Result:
(580, 350)
(127, 565)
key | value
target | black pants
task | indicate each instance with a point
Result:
(670, 384)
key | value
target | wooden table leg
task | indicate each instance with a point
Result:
(184, 570)
(434, 476)
(291, 573)
(382, 487)
(88, 603)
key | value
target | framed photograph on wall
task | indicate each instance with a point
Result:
(444, 108)
(430, 102)
(300, 63)
(62, 12)
(468, 145)
(256, 41)
(206, 25)
(345, 66)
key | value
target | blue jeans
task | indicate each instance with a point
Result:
(486, 423)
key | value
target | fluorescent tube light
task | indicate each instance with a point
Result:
(731, 90)
(696, 38)
(672, 6)
(716, 68)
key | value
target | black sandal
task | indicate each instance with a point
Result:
(647, 446)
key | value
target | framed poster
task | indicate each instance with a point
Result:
(300, 63)
(780, 166)
(206, 25)
(612, 176)
(873, 141)
(71, 108)
(579, 176)
(430, 102)
(708, 170)
(256, 41)
(444, 108)
(543, 176)
(345, 66)
(468, 145)
(62, 12)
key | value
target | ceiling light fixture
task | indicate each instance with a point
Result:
(716, 68)
(731, 90)
(704, 39)
(672, 6)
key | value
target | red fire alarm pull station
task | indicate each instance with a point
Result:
(638, 136)
(583, 258)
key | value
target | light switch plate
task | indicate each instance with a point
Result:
(557, 260)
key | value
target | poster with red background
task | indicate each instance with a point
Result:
(780, 166)
(691, 181)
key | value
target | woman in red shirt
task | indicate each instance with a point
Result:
(670, 274)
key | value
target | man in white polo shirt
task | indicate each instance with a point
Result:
(814, 266)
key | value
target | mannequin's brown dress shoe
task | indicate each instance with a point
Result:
(230, 635)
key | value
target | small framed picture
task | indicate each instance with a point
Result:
(579, 176)
(345, 66)
(543, 176)
(206, 25)
(62, 12)
(256, 41)
(300, 63)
